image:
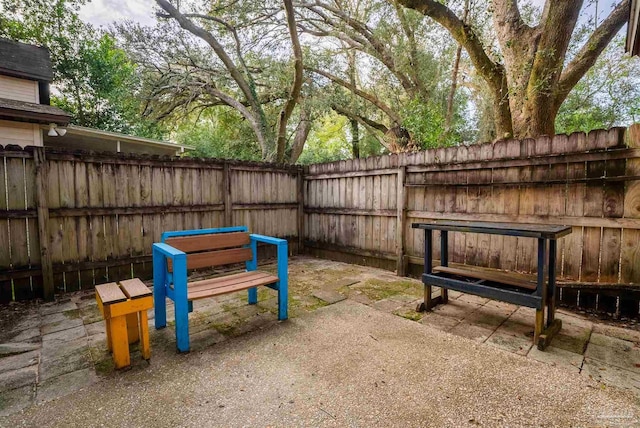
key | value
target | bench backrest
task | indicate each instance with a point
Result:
(211, 250)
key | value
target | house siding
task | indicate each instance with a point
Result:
(21, 134)
(19, 89)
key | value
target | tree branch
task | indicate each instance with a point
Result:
(552, 47)
(463, 34)
(377, 48)
(361, 119)
(292, 100)
(395, 117)
(591, 50)
(217, 48)
(492, 72)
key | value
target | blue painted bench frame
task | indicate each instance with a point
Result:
(163, 279)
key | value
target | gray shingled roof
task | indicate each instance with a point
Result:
(26, 61)
(31, 112)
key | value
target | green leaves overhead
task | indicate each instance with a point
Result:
(94, 79)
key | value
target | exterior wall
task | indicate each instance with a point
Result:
(19, 133)
(19, 89)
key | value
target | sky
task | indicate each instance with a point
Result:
(105, 12)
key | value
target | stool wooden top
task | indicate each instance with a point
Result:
(134, 288)
(110, 293)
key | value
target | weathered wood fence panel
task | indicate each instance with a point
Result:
(588, 181)
(101, 212)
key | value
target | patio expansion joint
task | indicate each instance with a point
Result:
(499, 325)
(584, 348)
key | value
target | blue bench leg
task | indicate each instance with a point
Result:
(182, 325)
(181, 303)
(159, 291)
(283, 283)
(283, 300)
(253, 296)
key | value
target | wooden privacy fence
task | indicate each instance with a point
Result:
(70, 220)
(361, 210)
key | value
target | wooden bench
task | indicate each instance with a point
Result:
(124, 308)
(195, 249)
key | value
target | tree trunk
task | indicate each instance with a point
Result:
(454, 77)
(355, 134)
(355, 139)
(533, 79)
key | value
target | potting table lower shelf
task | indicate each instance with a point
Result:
(497, 285)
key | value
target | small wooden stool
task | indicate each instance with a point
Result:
(124, 308)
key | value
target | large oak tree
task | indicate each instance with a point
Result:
(533, 76)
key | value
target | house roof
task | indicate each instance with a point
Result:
(23, 111)
(633, 29)
(82, 138)
(25, 61)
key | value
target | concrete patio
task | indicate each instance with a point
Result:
(354, 352)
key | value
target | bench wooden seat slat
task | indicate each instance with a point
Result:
(229, 284)
(502, 277)
(110, 293)
(191, 244)
(215, 258)
(134, 288)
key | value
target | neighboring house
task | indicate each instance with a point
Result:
(25, 73)
(81, 138)
(27, 119)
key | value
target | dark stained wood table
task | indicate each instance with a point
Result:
(539, 294)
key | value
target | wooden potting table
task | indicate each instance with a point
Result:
(538, 293)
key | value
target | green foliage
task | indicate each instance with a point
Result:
(327, 141)
(608, 95)
(218, 133)
(426, 122)
(94, 80)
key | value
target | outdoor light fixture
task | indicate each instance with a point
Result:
(54, 131)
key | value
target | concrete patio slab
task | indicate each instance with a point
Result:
(75, 356)
(557, 357)
(14, 400)
(611, 375)
(359, 367)
(329, 296)
(19, 361)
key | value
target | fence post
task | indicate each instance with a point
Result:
(42, 209)
(401, 205)
(300, 180)
(226, 194)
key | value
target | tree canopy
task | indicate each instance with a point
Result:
(314, 80)
(94, 79)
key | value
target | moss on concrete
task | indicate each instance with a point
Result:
(409, 314)
(377, 289)
(72, 314)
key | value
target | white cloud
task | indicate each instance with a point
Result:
(106, 12)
